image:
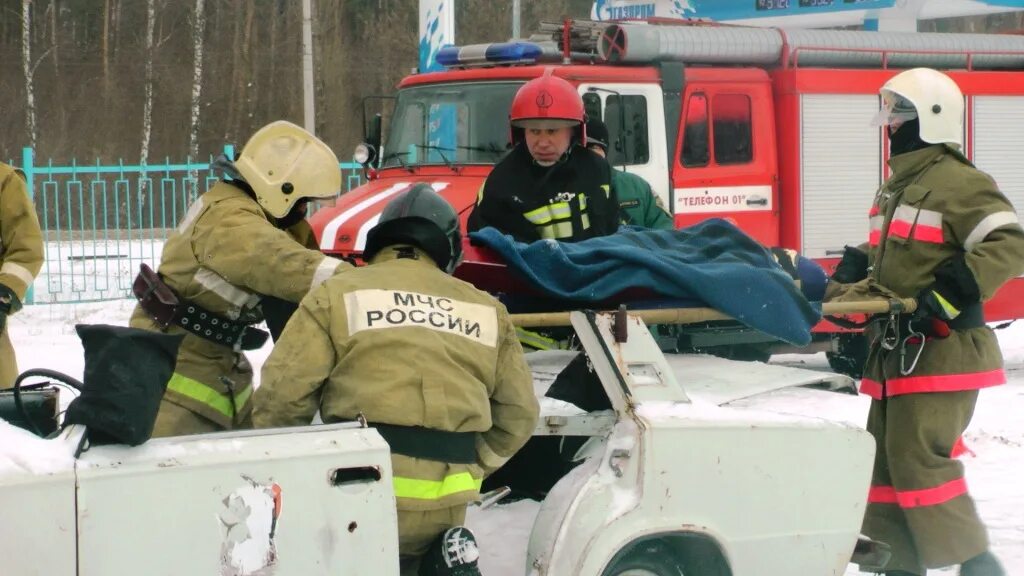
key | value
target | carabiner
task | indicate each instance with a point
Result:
(891, 333)
(904, 370)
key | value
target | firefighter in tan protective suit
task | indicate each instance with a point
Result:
(240, 241)
(433, 363)
(941, 231)
(21, 257)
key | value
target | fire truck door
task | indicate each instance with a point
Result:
(634, 114)
(726, 165)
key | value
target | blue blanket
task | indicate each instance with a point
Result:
(713, 263)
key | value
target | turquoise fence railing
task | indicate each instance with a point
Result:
(101, 221)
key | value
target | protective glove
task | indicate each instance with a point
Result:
(9, 303)
(787, 259)
(852, 268)
(953, 290)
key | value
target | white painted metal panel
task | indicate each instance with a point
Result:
(840, 170)
(203, 504)
(37, 512)
(998, 142)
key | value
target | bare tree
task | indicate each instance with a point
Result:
(105, 46)
(198, 28)
(29, 70)
(147, 103)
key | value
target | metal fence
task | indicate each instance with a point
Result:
(101, 221)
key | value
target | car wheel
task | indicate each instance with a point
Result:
(649, 559)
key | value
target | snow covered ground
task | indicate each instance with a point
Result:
(44, 337)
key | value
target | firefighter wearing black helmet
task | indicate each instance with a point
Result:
(431, 362)
(549, 186)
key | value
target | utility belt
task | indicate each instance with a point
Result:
(430, 444)
(907, 334)
(166, 308)
(973, 316)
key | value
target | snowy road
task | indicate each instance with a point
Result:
(44, 336)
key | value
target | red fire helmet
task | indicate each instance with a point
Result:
(547, 102)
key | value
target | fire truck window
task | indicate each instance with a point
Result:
(626, 118)
(695, 132)
(592, 105)
(440, 124)
(732, 136)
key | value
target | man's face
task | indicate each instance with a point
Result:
(547, 145)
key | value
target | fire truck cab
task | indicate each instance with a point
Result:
(767, 127)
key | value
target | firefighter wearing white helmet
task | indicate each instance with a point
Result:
(941, 231)
(242, 243)
(432, 362)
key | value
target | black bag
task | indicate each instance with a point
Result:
(126, 373)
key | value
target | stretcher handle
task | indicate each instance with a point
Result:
(698, 315)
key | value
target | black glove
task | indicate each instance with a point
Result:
(787, 259)
(277, 312)
(9, 303)
(953, 290)
(853, 267)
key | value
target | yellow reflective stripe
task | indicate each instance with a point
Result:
(555, 231)
(607, 190)
(538, 215)
(200, 392)
(546, 214)
(243, 397)
(949, 309)
(536, 341)
(435, 489)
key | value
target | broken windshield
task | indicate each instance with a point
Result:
(450, 124)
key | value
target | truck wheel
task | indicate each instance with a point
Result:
(650, 559)
(852, 354)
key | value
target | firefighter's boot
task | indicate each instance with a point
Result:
(455, 553)
(984, 564)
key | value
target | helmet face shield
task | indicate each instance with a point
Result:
(544, 123)
(895, 110)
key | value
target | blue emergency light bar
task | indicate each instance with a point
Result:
(493, 53)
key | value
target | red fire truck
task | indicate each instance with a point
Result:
(768, 127)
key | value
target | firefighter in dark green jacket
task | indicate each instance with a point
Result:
(431, 361)
(638, 204)
(940, 231)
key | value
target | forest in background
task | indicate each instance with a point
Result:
(149, 79)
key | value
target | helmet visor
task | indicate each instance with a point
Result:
(544, 123)
(895, 111)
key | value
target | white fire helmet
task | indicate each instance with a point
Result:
(284, 164)
(931, 97)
